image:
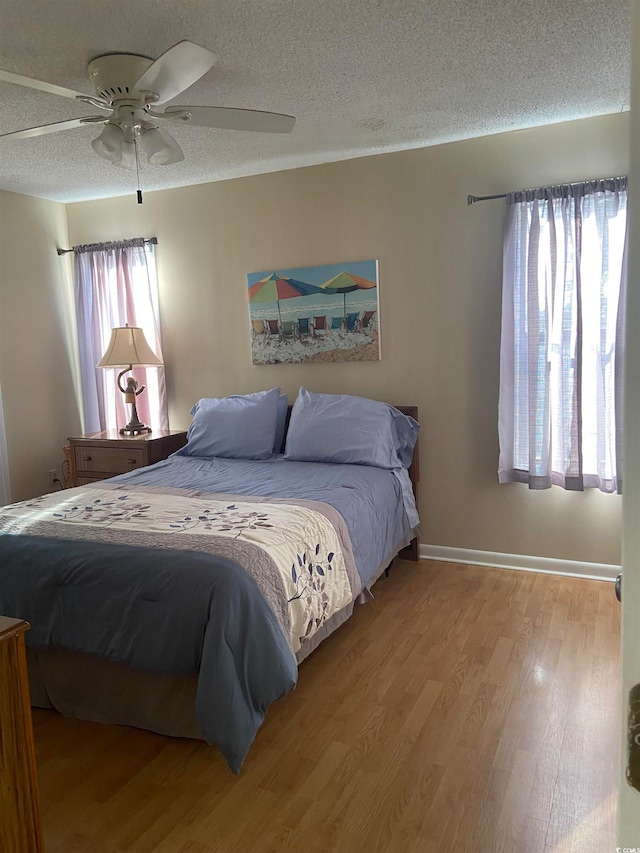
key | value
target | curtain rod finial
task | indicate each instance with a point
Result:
(471, 199)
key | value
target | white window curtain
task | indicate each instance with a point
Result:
(5, 490)
(561, 356)
(115, 285)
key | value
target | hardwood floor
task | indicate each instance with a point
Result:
(464, 709)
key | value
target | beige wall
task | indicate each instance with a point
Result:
(36, 340)
(440, 264)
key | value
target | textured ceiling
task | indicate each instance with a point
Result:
(361, 76)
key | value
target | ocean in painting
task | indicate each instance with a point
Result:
(314, 305)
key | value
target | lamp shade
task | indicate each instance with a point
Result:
(109, 143)
(128, 346)
(128, 155)
(161, 148)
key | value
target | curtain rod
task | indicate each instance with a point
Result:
(472, 199)
(153, 240)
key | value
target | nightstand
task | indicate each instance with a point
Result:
(104, 454)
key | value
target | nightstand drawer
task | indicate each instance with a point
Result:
(112, 460)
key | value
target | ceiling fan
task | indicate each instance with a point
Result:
(129, 88)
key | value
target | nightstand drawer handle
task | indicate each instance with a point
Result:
(133, 461)
(86, 459)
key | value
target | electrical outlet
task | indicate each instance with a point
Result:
(54, 479)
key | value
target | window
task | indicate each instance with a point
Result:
(115, 285)
(560, 411)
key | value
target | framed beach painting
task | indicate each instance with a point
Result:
(304, 314)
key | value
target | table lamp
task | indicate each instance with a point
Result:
(128, 348)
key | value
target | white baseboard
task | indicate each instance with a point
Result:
(521, 562)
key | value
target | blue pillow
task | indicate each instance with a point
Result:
(238, 427)
(346, 429)
(283, 406)
(406, 431)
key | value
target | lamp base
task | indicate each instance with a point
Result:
(135, 425)
(135, 430)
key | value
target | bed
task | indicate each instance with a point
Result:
(182, 597)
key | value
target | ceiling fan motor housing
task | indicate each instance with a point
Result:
(116, 74)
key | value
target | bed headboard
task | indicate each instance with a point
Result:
(411, 552)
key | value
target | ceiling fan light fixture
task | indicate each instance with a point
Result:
(159, 146)
(110, 142)
(129, 86)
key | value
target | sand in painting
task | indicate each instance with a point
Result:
(332, 347)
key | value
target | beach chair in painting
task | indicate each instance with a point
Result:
(304, 329)
(258, 328)
(272, 329)
(352, 321)
(320, 326)
(288, 331)
(337, 323)
(367, 321)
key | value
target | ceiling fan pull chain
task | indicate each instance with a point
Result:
(139, 191)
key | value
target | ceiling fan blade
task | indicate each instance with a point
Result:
(229, 118)
(19, 80)
(52, 128)
(175, 70)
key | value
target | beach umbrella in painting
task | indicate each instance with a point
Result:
(274, 287)
(346, 282)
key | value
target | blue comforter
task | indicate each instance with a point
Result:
(178, 612)
(159, 610)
